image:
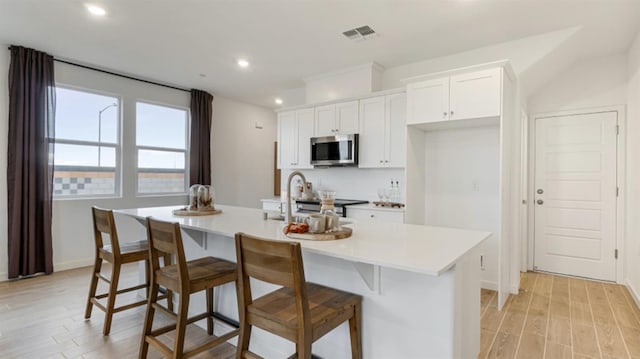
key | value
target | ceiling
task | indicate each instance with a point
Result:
(176, 42)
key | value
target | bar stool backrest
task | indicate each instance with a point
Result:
(275, 262)
(104, 223)
(165, 238)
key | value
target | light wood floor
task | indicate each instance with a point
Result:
(557, 317)
(43, 317)
(553, 317)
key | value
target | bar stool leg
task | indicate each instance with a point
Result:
(355, 332)
(167, 261)
(113, 288)
(303, 347)
(147, 275)
(181, 325)
(210, 311)
(243, 339)
(97, 266)
(148, 320)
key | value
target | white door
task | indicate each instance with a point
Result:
(428, 101)
(575, 195)
(372, 133)
(476, 95)
(325, 120)
(347, 121)
(396, 135)
(304, 120)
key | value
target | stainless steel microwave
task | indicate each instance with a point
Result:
(330, 151)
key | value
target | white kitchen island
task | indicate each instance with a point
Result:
(421, 284)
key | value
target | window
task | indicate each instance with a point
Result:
(87, 144)
(161, 147)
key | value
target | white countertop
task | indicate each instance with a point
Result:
(421, 249)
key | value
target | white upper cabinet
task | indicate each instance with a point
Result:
(287, 139)
(396, 136)
(295, 128)
(428, 101)
(476, 95)
(460, 97)
(347, 121)
(341, 118)
(382, 131)
(372, 133)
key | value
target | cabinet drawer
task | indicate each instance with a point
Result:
(376, 215)
(271, 206)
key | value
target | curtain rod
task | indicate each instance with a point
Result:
(117, 74)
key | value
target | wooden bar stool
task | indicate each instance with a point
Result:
(300, 311)
(117, 254)
(183, 278)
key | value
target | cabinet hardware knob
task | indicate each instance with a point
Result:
(540, 191)
(444, 114)
(539, 201)
(385, 161)
(372, 215)
(381, 161)
(451, 113)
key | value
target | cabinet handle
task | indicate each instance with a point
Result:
(381, 161)
(444, 114)
(451, 113)
(372, 215)
(385, 161)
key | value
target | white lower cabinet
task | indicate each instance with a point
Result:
(272, 205)
(386, 215)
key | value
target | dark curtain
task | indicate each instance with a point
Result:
(200, 149)
(30, 161)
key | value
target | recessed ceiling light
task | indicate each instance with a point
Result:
(243, 63)
(278, 101)
(96, 10)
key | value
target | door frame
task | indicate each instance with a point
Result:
(621, 155)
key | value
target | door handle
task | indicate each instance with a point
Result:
(540, 191)
(539, 201)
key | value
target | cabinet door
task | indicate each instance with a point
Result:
(396, 134)
(287, 139)
(365, 214)
(347, 121)
(304, 119)
(428, 101)
(325, 120)
(476, 95)
(372, 133)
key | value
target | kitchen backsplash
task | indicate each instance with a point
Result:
(350, 183)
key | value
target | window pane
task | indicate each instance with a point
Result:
(161, 159)
(161, 171)
(160, 126)
(86, 116)
(79, 172)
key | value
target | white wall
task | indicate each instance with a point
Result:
(350, 82)
(4, 127)
(462, 172)
(242, 155)
(632, 246)
(589, 83)
(350, 183)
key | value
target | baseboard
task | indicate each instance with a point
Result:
(4, 276)
(221, 327)
(57, 267)
(634, 293)
(487, 284)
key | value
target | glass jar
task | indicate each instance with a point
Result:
(204, 198)
(327, 208)
(193, 197)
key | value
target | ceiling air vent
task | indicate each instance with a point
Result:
(360, 33)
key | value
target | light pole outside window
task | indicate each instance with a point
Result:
(100, 130)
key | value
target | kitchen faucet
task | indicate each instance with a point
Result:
(304, 184)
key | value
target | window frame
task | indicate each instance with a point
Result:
(138, 147)
(117, 191)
